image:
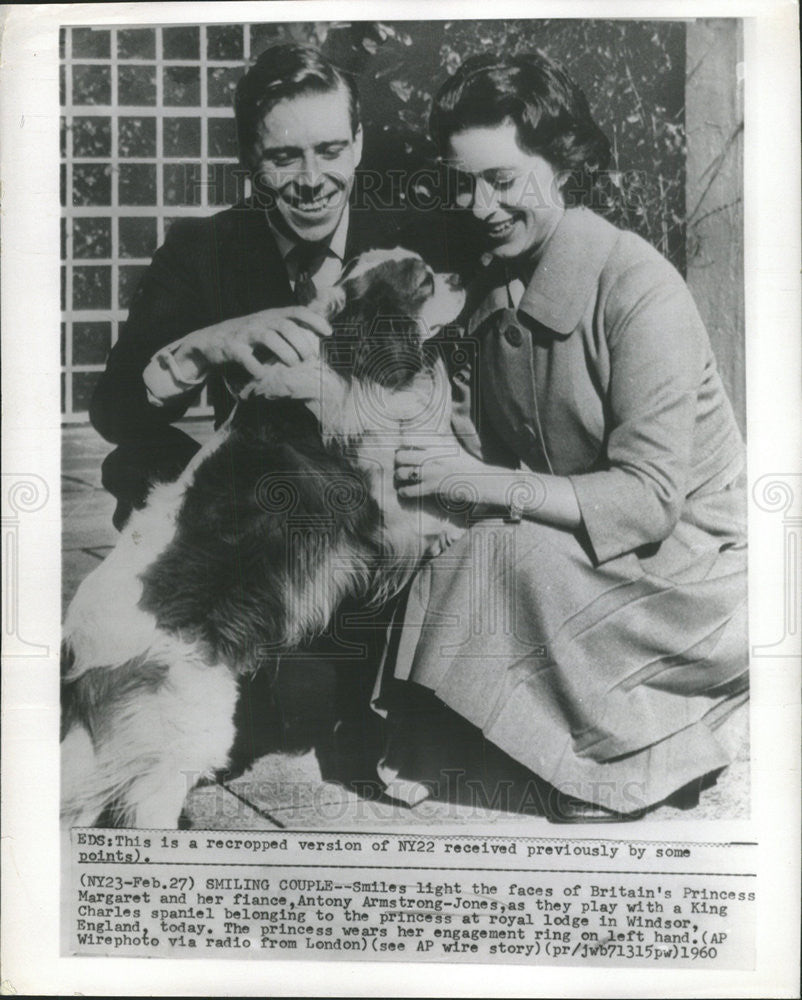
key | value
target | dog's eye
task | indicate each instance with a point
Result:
(426, 284)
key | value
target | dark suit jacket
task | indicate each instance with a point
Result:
(208, 270)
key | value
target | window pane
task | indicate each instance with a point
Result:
(91, 43)
(222, 82)
(222, 137)
(91, 287)
(63, 222)
(83, 385)
(91, 238)
(137, 137)
(182, 182)
(63, 344)
(182, 136)
(136, 43)
(137, 184)
(130, 276)
(91, 184)
(224, 41)
(181, 86)
(226, 183)
(181, 43)
(91, 342)
(137, 85)
(91, 136)
(137, 237)
(91, 84)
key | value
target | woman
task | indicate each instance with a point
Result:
(592, 623)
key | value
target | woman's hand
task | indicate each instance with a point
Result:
(453, 473)
(445, 469)
(291, 334)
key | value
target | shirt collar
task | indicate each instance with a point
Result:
(336, 247)
(565, 276)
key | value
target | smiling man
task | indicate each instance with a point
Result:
(232, 289)
(305, 152)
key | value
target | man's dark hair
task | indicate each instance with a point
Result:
(280, 73)
(550, 112)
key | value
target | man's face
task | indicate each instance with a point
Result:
(306, 155)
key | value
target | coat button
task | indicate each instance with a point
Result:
(514, 336)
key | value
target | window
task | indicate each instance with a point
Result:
(147, 136)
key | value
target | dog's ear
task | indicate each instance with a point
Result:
(329, 301)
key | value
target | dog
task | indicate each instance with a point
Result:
(286, 511)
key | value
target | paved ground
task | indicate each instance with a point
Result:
(289, 791)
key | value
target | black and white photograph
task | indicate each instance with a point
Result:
(423, 458)
(406, 513)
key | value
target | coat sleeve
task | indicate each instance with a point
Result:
(658, 351)
(168, 304)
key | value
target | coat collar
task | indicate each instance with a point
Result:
(565, 276)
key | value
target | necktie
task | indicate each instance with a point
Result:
(307, 259)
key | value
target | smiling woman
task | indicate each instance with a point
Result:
(516, 196)
(518, 151)
(598, 636)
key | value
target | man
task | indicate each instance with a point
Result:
(231, 289)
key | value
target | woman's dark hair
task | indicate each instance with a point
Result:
(282, 72)
(550, 112)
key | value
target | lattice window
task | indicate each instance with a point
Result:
(147, 136)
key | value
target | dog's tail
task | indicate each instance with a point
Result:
(139, 736)
(83, 800)
(98, 722)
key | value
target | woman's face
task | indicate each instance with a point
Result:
(515, 196)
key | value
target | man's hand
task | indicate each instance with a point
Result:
(303, 380)
(291, 335)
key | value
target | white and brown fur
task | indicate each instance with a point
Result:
(287, 510)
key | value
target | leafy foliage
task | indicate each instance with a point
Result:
(633, 73)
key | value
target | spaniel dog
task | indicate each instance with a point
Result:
(288, 509)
